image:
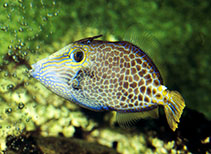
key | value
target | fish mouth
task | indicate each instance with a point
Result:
(35, 69)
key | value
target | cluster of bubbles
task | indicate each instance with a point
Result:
(21, 28)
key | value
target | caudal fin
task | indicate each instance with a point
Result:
(173, 109)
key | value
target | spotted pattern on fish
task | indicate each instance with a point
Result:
(102, 75)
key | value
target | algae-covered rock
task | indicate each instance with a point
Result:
(29, 144)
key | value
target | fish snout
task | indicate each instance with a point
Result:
(35, 71)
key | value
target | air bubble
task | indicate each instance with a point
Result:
(22, 44)
(37, 47)
(20, 30)
(10, 86)
(5, 5)
(8, 111)
(21, 105)
(28, 119)
(49, 15)
(14, 75)
(10, 52)
(10, 47)
(44, 18)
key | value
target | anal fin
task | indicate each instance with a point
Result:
(128, 119)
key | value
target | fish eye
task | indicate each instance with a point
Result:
(78, 56)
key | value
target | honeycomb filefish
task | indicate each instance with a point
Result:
(109, 76)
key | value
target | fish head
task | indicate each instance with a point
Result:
(63, 71)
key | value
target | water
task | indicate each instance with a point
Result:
(31, 30)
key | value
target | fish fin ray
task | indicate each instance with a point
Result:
(128, 119)
(173, 109)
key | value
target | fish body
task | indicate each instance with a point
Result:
(109, 76)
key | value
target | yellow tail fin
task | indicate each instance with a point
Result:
(173, 109)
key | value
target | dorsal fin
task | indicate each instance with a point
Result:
(128, 119)
(88, 40)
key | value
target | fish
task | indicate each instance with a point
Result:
(109, 76)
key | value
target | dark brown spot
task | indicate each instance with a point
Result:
(144, 64)
(117, 106)
(149, 81)
(115, 59)
(110, 65)
(117, 69)
(149, 91)
(120, 83)
(125, 106)
(122, 60)
(154, 91)
(127, 72)
(110, 60)
(120, 49)
(148, 76)
(133, 63)
(136, 103)
(141, 104)
(142, 72)
(120, 88)
(140, 97)
(142, 89)
(130, 78)
(122, 104)
(100, 73)
(146, 99)
(116, 53)
(131, 56)
(118, 94)
(138, 67)
(156, 82)
(130, 90)
(127, 65)
(165, 99)
(106, 63)
(139, 61)
(141, 82)
(106, 82)
(130, 105)
(122, 71)
(113, 75)
(123, 98)
(121, 78)
(136, 77)
(125, 85)
(136, 91)
(104, 76)
(109, 71)
(133, 85)
(158, 96)
(130, 96)
(133, 71)
(126, 58)
(126, 93)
